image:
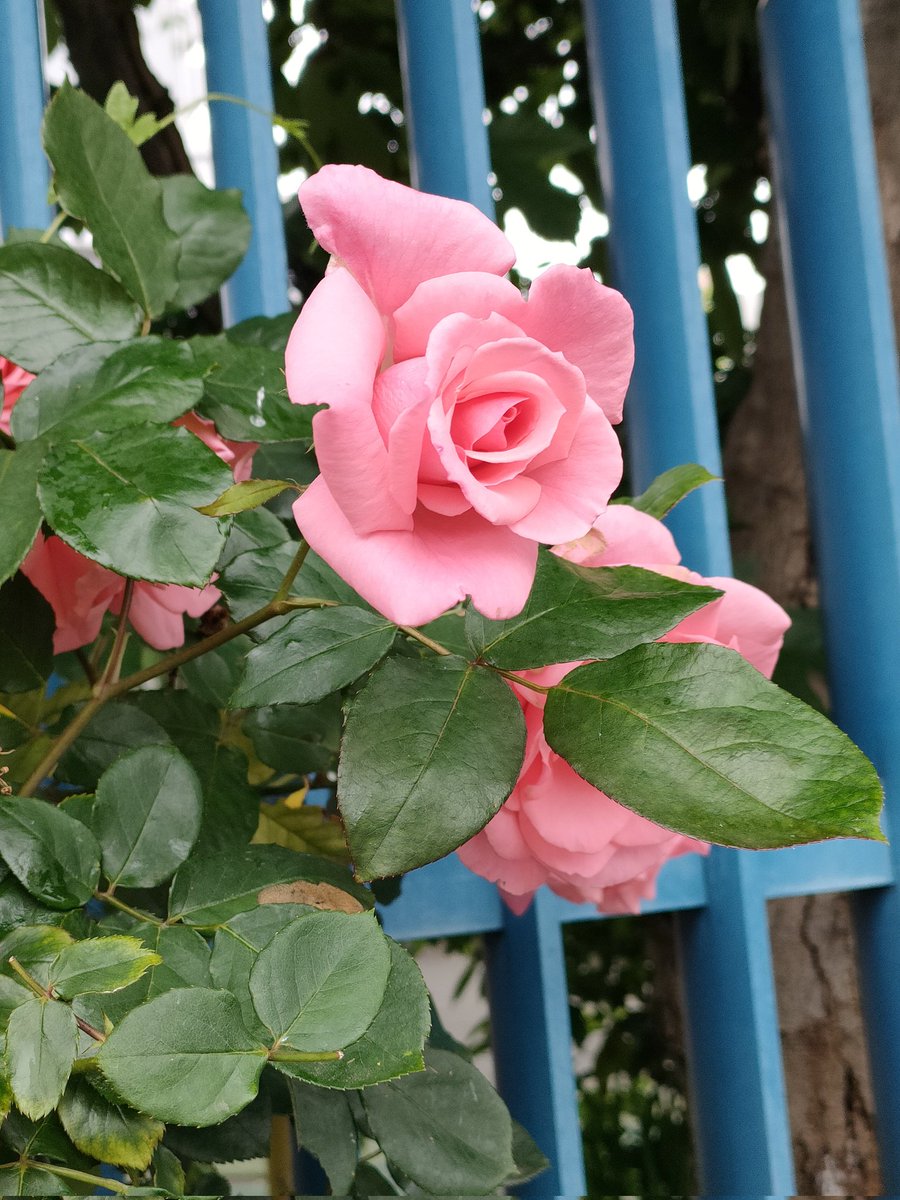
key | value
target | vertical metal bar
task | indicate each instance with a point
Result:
(440, 57)
(850, 405)
(738, 1093)
(237, 63)
(23, 168)
(532, 1041)
(444, 89)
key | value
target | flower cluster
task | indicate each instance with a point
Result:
(556, 828)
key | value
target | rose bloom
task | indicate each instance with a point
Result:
(465, 424)
(15, 381)
(560, 830)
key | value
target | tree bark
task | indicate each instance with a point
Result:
(826, 1064)
(104, 46)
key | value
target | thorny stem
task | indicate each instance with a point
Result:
(293, 570)
(109, 898)
(47, 994)
(109, 687)
(514, 678)
(114, 1185)
(419, 636)
(114, 662)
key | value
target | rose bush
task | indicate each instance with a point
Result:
(557, 829)
(465, 424)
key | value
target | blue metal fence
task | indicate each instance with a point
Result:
(814, 74)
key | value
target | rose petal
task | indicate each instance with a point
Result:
(623, 536)
(569, 311)
(471, 292)
(744, 617)
(426, 236)
(333, 355)
(414, 576)
(576, 489)
(78, 590)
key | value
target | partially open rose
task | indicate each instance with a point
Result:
(465, 424)
(80, 591)
(560, 830)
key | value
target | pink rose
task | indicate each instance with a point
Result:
(15, 381)
(556, 828)
(80, 591)
(465, 424)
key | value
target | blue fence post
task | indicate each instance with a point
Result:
(24, 173)
(738, 1094)
(814, 71)
(444, 85)
(237, 64)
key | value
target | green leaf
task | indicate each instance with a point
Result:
(235, 950)
(11, 996)
(41, 1043)
(244, 1136)
(230, 806)
(297, 739)
(420, 732)
(256, 529)
(576, 613)
(168, 1171)
(305, 827)
(314, 654)
(271, 332)
(446, 1128)
(18, 908)
(52, 300)
(115, 730)
(151, 480)
(212, 889)
(184, 962)
(107, 1131)
(529, 1159)
(694, 738)
(103, 964)
(391, 1046)
(213, 676)
(122, 107)
(19, 504)
(23, 1180)
(101, 179)
(42, 1139)
(319, 983)
(213, 232)
(147, 815)
(188, 1033)
(53, 856)
(668, 489)
(241, 496)
(105, 387)
(247, 398)
(325, 1127)
(34, 947)
(26, 637)
(6, 1096)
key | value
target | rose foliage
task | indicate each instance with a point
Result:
(451, 639)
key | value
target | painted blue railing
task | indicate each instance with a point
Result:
(815, 81)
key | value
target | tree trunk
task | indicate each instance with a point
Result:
(829, 1089)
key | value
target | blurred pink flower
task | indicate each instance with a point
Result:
(15, 381)
(560, 830)
(80, 591)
